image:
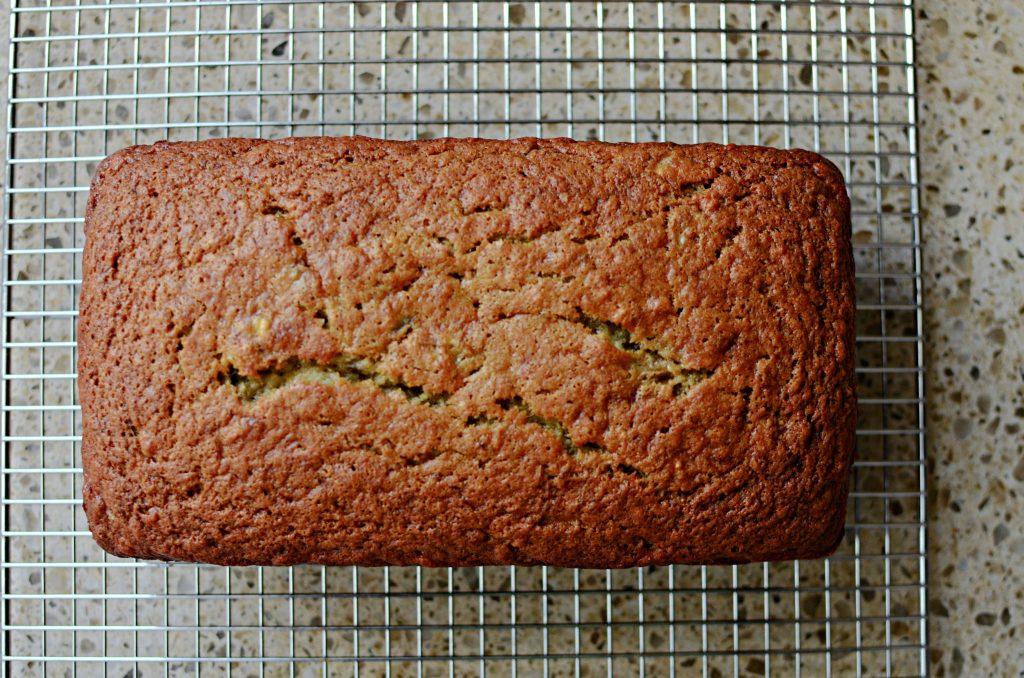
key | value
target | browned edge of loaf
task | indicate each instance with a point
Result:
(780, 495)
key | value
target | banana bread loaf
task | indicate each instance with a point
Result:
(456, 352)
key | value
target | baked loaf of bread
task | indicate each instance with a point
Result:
(456, 352)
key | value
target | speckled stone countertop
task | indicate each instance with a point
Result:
(971, 75)
(971, 93)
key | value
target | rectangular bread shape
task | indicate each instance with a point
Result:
(465, 352)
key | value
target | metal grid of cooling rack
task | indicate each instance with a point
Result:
(87, 79)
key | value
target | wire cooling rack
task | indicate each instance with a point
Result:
(88, 79)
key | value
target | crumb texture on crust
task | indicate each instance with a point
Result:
(455, 352)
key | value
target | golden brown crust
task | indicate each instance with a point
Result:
(454, 352)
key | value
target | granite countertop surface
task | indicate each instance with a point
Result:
(971, 77)
(970, 80)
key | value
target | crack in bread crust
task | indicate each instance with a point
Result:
(648, 366)
(343, 368)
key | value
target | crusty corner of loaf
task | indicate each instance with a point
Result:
(828, 546)
(826, 540)
(114, 162)
(106, 173)
(111, 532)
(824, 524)
(829, 173)
(103, 523)
(832, 177)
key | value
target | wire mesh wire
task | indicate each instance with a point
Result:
(88, 79)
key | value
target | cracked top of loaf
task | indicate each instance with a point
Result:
(456, 352)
